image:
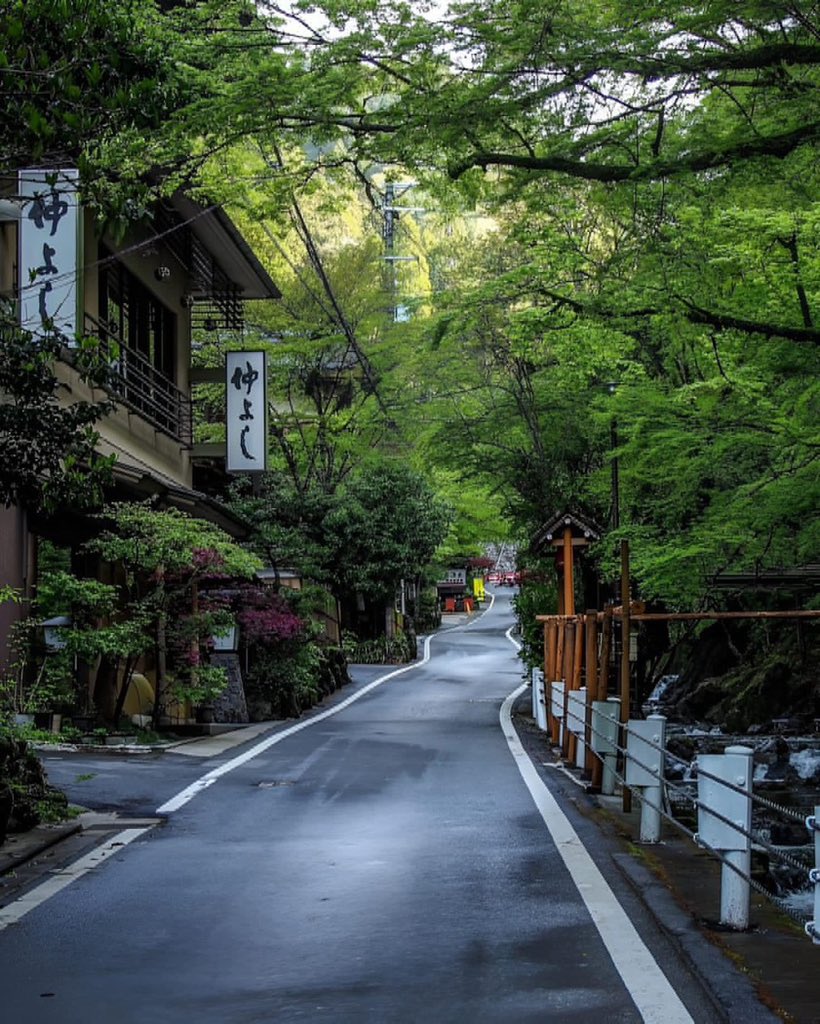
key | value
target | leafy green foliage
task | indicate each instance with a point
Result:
(537, 596)
(85, 82)
(49, 447)
(148, 541)
(26, 798)
(386, 528)
(164, 554)
(381, 650)
(34, 680)
(382, 525)
(652, 179)
(84, 600)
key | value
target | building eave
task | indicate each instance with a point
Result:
(221, 237)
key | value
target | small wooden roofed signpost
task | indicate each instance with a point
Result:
(565, 532)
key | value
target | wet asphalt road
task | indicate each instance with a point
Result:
(385, 864)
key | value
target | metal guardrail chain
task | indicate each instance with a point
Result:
(787, 812)
(778, 901)
(755, 837)
(812, 927)
(681, 827)
(786, 858)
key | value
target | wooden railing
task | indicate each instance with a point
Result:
(137, 384)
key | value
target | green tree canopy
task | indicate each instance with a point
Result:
(385, 528)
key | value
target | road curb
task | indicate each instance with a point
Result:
(21, 847)
(716, 973)
(726, 986)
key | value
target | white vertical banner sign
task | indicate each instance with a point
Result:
(247, 412)
(49, 244)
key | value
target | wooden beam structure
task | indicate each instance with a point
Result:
(643, 616)
(569, 575)
(626, 694)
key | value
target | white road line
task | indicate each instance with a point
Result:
(210, 777)
(656, 1000)
(39, 894)
(20, 907)
(185, 795)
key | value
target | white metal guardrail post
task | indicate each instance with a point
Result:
(606, 715)
(539, 699)
(576, 714)
(557, 706)
(730, 832)
(813, 926)
(645, 744)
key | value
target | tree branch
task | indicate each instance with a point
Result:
(723, 322)
(778, 146)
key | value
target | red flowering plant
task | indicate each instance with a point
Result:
(284, 656)
(269, 620)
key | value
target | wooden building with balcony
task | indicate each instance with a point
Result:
(186, 266)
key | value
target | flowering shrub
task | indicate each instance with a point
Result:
(273, 623)
(286, 662)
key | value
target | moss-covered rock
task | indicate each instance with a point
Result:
(26, 798)
(776, 678)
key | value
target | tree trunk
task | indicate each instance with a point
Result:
(128, 673)
(105, 688)
(161, 646)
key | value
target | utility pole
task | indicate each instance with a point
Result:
(615, 515)
(392, 192)
(616, 498)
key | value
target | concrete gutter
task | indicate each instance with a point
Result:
(24, 846)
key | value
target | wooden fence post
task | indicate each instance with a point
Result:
(591, 630)
(568, 746)
(625, 667)
(606, 652)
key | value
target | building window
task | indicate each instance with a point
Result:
(139, 334)
(135, 318)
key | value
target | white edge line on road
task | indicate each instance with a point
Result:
(210, 777)
(656, 1000)
(39, 894)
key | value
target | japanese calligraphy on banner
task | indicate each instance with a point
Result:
(49, 241)
(247, 412)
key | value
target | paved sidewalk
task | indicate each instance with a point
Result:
(24, 846)
(680, 884)
(211, 746)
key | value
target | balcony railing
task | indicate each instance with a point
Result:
(135, 383)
